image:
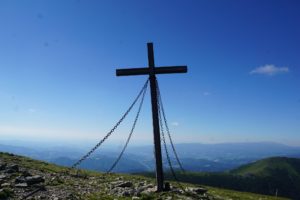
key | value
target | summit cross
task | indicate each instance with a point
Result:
(151, 70)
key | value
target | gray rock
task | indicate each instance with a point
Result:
(21, 185)
(116, 183)
(200, 190)
(145, 187)
(138, 192)
(3, 176)
(12, 169)
(125, 193)
(5, 185)
(148, 191)
(26, 173)
(3, 166)
(167, 186)
(30, 180)
(140, 184)
(125, 184)
(197, 190)
(20, 179)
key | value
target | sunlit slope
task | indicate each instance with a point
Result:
(60, 182)
(271, 176)
(271, 167)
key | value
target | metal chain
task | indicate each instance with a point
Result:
(112, 130)
(167, 128)
(130, 134)
(164, 139)
(165, 145)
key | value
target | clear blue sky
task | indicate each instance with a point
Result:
(58, 61)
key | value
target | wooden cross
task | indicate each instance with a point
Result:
(152, 71)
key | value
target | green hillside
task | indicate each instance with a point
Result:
(276, 174)
(22, 177)
(270, 166)
(272, 176)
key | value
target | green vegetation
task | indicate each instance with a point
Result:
(266, 167)
(5, 193)
(235, 195)
(271, 176)
(98, 184)
(30, 163)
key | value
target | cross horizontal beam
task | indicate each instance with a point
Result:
(157, 70)
(152, 71)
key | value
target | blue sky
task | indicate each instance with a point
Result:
(58, 61)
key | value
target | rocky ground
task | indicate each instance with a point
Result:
(22, 178)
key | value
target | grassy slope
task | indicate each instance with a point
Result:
(50, 168)
(266, 167)
(278, 172)
(267, 176)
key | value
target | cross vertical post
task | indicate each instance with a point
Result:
(151, 70)
(155, 120)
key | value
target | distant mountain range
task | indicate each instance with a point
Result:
(194, 156)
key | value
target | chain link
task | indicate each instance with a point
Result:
(164, 139)
(112, 130)
(130, 134)
(167, 127)
(165, 144)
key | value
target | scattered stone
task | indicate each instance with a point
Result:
(5, 185)
(3, 166)
(167, 186)
(3, 177)
(142, 183)
(125, 193)
(21, 185)
(12, 169)
(125, 184)
(145, 187)
(197, 190)
(31, 180)
(149, 191)
(20, 179)
(116, 183)
(26, 173)
(34, 183)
